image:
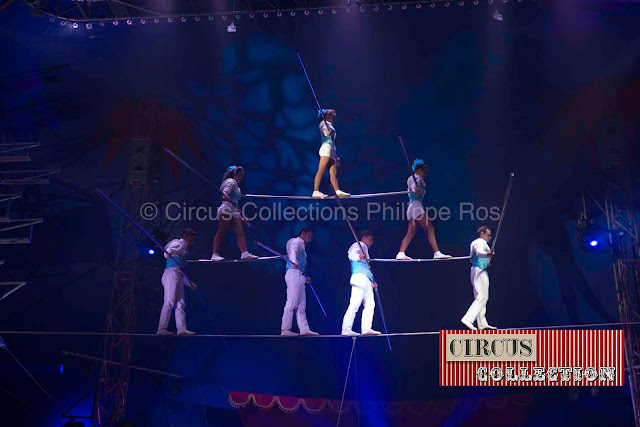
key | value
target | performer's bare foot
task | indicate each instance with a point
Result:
(164, 332)
(350, 334)
(341, 193)
(403, 257)
(486, 327)
(288, 334)
(440, 255)
(308, 334)
(319, 195)
(372, 332)
(186, 332)
(468, 324)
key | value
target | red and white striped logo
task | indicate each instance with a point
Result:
(532, 357)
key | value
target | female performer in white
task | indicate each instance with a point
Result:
(362, 286)
(416, 214)
(481, 255)
(327, 155)
(229, 213)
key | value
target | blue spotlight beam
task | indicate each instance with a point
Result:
(279, 255)
(340, 203)
(177, 260)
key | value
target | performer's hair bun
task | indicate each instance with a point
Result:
(231, 170)
(418, 164)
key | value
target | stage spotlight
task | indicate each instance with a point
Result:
(278, 14)
(142, 21)
(210, 17)
(404, 7)
(251, 15)
(231, 28)
(88, 26)
(169, 19)
(151, 251)
(175, 386)
(224, 17)
(461, 3)
(591, 237)
(418, 6)
(238, 16)
(75, 25)
(432, 5)
(306, 13)
(475, 2)
(183, 19)
(320, 11)
(334, 11)
(390, 7)
(52, 19)
(197, 19)
(156, 20)
(63, 22)
(446, 4)
(265, 15)
(376, 8)
(293, 13)
(129, 21)
(102, 23)
(115, 22)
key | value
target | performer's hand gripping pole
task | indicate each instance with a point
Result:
(279, 255)
(177, 260)
(207, 180)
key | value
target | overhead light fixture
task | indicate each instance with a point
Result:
(156, 20)
(129, 22)
(142, 21)
(183, 19)
(197, 19)
(497, 16)
(75, 25)
(231, 28)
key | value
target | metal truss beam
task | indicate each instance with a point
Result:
(87, 11)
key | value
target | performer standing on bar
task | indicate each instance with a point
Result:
(296, 290)
(174, 281)
(229, 213)
(327, 155)
(416, 214)
(481, 255)
(362, 286)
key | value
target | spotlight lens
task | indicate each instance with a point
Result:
(151, 252)
(593, 243)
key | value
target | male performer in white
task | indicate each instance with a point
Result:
(174, 281)
(481, 255)
(362, 286)
(296, 280)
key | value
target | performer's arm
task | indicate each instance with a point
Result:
(227, 186)
(174, 248)
(483, 251)
(324, 128)
(292, 254)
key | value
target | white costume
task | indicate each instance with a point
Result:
(230, 209)
(479, 252)
(296, 292)
(173, 281)
(415, 208)
(327, 149)
(361, 291)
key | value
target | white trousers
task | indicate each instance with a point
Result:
(296, 300)
(478, 308)
(361, 293)
(172, 281)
